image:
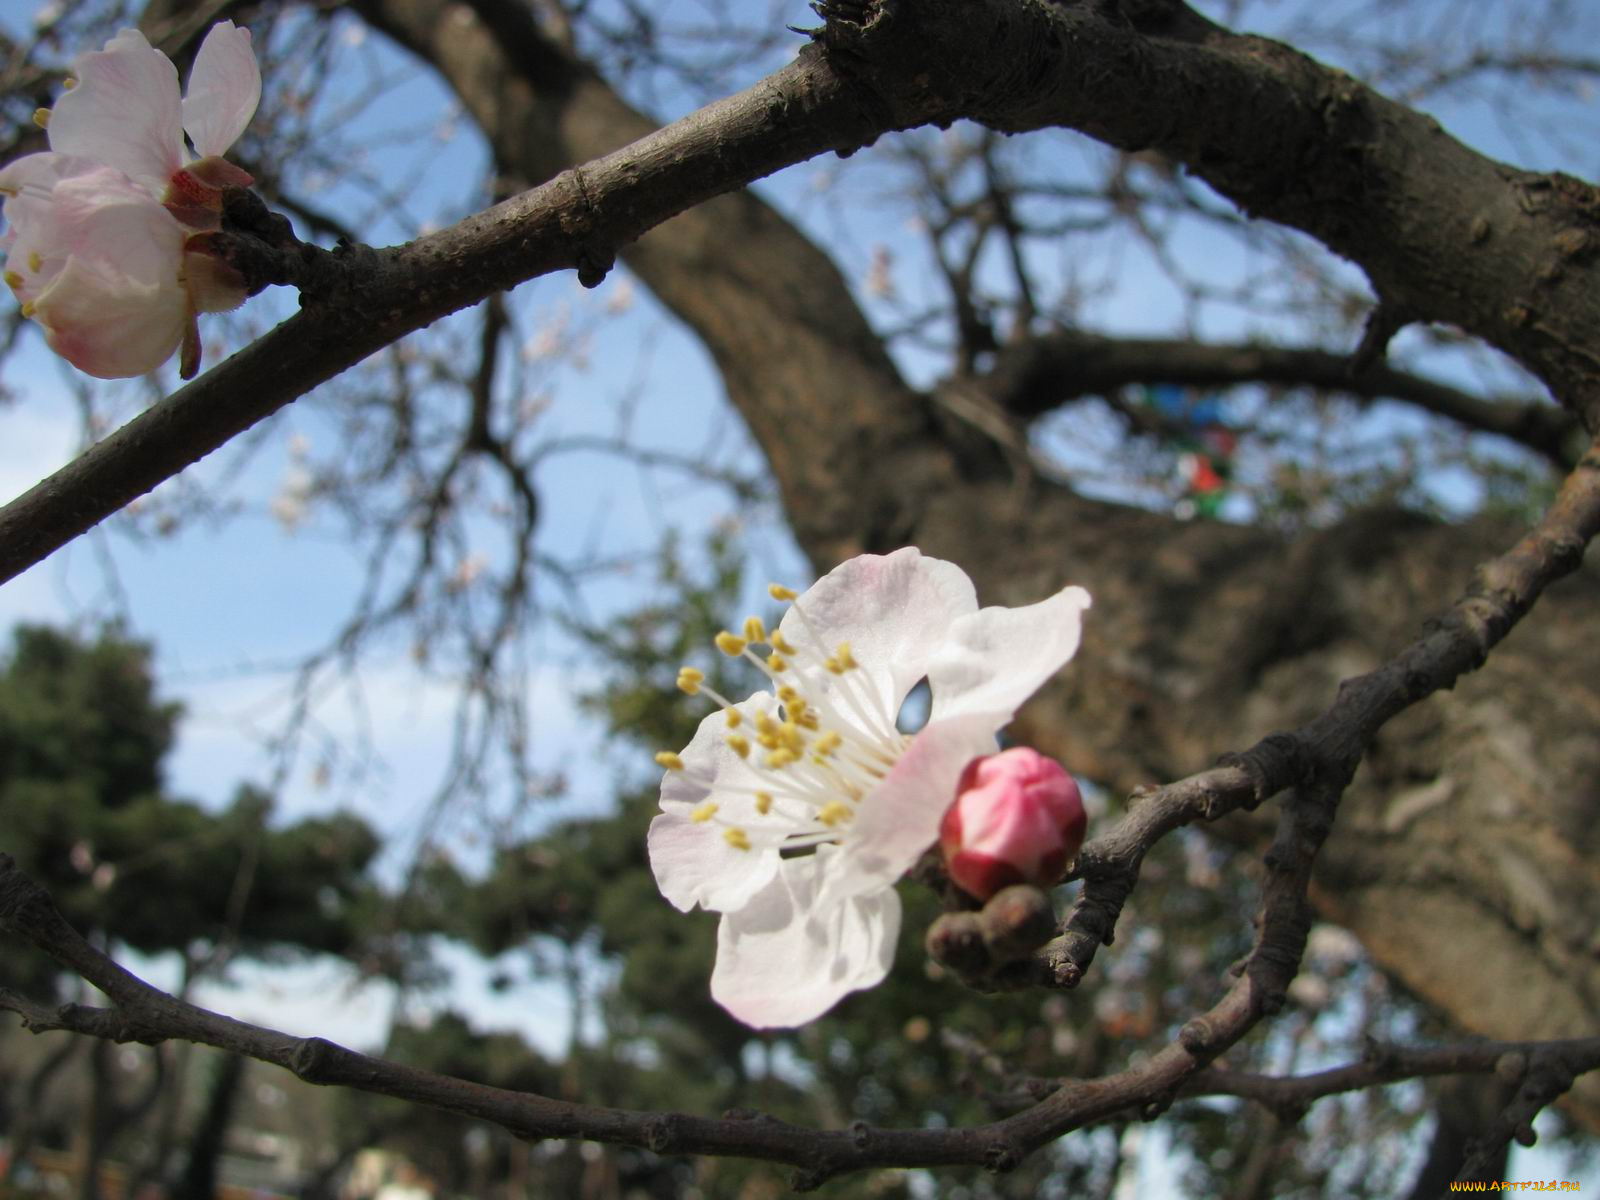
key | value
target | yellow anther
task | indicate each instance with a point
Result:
(833, 665)
(704, 813)
(737, 838)
(8, 191)
(807, 720)
(689, 680)
(781, 758)
(777, 664)
(765, 724)
(781, 644)
(669, 760)
(828, 742)
(29, 309)
(797, 708)
(788, 694)
(41, 118)
(834, 812)
(733, 717)
(35, 263)
(68, 83)
(739, 745)
(754, 630)
(730, 644)
(13, 280)
(778, 592)
(844, 658)
(763, 803)
(793, 739)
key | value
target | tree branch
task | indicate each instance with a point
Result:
(576, 220)
(1443, 233)
(1330, 747)
(145, 1014)
(1370, 167)
(1317, 761)
(1033, 377)
(1289, 1096)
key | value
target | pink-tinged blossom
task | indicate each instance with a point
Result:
(1017, 818)
(794, 812)
(125, 111)
(98, 271)
(98, 247)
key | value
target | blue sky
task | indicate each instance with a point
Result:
(228, 603)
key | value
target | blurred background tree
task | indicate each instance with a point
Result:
(83, 806)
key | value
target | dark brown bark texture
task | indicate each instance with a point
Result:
(1464, 856)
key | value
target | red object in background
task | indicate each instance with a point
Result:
(1203, 476)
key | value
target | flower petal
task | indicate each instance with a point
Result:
(106, 324)
(893, 610)
(32, 240)
(713, 771)
(124, 111)
(213, 285)
(224, 89)
(113, 304)
(994, 659)
(900, 818)
(105, 216)
(783, 959)
(692, 861)
(28, 181)
(694, 864)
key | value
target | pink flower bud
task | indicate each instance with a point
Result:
(1017, 818)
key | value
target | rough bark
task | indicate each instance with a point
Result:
(1466, 849)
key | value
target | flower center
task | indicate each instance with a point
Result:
(831, 740)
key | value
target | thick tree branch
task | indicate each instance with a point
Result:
(1366, 173)
(1033, 377)
(1444, 233)
(576, 220)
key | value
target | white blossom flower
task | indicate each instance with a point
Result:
(99, 227)
(794, 812)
